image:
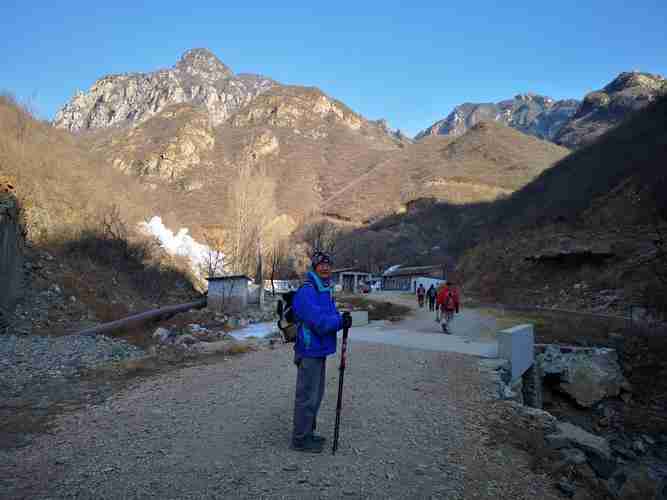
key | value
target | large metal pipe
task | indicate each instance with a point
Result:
(144, 317)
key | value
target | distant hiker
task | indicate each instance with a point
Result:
(448, 303)
(318, 321)
(431, 294)
(437, 306)
(421, 292)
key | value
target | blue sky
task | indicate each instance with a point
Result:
(410, 65)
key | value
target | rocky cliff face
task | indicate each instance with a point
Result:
(532, 114)
(166, 146)
(11, 251)
(603, 109)
(199, 78)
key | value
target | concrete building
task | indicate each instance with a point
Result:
(350, 278)
(228, 293)
(407, 279)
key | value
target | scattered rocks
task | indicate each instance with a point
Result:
(634, 484)
(567, 488)
(163, 336)
(26, 360)
(187, 340)
(534, 418)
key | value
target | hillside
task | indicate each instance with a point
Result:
(594, 220)
(595, 204)
(321, 156)
(84, 260)
(488, 161)
(308, 144)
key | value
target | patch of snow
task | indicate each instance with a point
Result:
(257, 330)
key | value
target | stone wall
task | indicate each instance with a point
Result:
(11, 254)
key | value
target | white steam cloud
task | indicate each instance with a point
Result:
(181, 244)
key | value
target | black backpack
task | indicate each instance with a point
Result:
(284, 307)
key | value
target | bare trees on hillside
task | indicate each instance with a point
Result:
(252, 205)
(321, 235)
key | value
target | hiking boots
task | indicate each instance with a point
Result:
(307, 445)
(318, 439)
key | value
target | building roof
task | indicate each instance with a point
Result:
(411, 271)
(350, 270)
(227, 278)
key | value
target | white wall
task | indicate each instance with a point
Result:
(427, 282)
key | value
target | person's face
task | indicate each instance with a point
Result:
(323, 270)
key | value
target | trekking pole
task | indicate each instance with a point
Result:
(339, 404)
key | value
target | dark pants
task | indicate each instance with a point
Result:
(431, 303)
(310, 382)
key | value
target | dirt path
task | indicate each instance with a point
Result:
(472, 333)
(414, 425)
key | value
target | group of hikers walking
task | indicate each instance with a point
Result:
(444, 300)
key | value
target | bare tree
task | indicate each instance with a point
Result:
(279, 261)
(215, 262)
(252, 205)
(322, 235)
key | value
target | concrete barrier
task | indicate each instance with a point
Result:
(517, 345)
(359, 318)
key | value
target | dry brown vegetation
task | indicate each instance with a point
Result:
(84, 213)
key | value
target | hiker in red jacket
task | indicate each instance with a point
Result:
(448, 303)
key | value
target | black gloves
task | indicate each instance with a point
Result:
(347, 320)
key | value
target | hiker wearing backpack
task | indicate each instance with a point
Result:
(431, 294)
(318, 321)
(421, 292)
(448, 303)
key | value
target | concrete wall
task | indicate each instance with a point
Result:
(11, 255)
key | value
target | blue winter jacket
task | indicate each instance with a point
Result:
(317, 317)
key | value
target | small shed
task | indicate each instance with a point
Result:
(228, 293)
(350, 278)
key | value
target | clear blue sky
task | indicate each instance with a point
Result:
(410, 65)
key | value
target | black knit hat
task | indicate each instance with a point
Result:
(320, 257)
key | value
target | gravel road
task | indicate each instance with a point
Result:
(413, 426)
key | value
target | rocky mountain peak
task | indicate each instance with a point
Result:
(631, 79)
(204, 64)
(198, 78)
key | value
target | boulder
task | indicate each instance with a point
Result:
(567, 435)
(587, 375)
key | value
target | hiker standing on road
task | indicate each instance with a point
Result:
(448, 303)
(318, 321)
(431, 294)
